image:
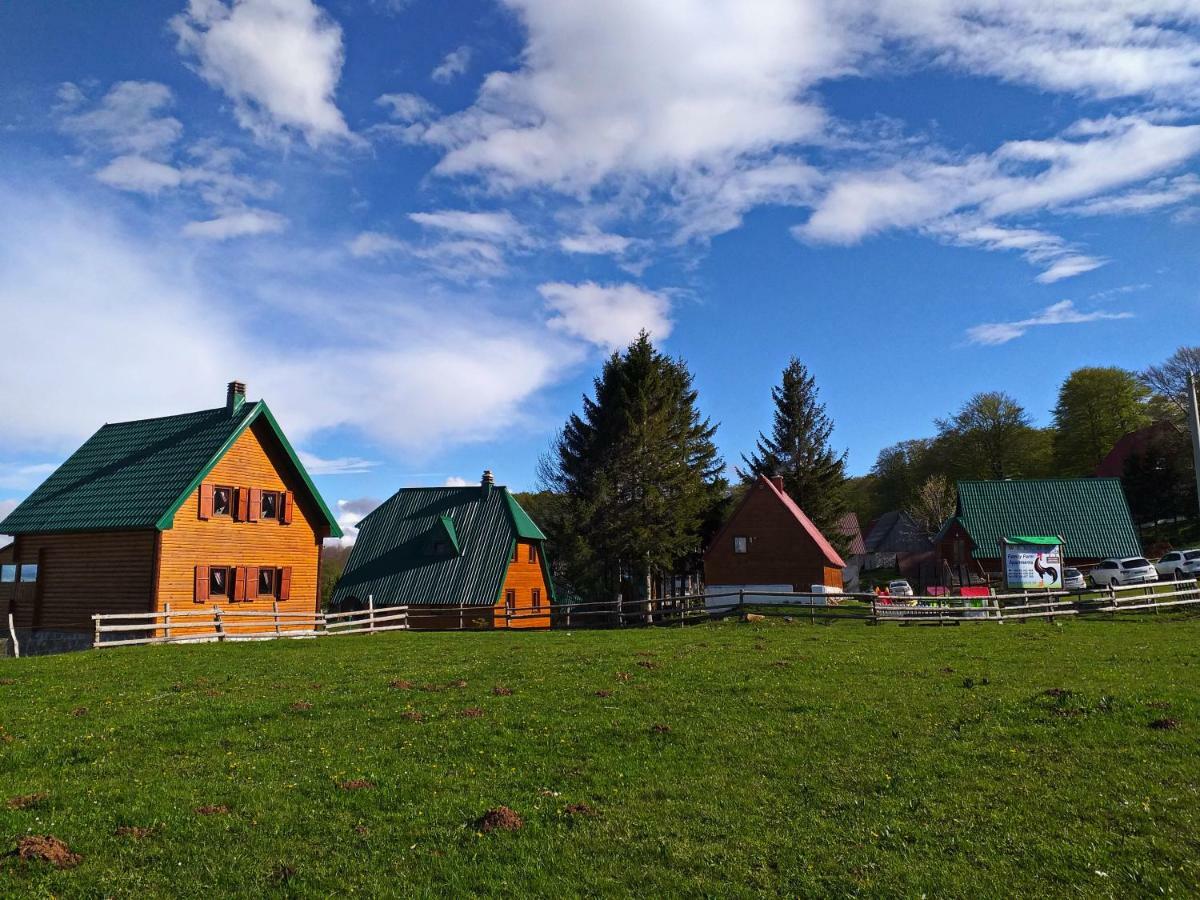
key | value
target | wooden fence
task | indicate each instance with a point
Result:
(219, 624)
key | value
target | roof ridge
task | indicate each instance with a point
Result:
(194, 412)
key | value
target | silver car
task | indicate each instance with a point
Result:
(900, 588)
(1130, 570)
(1073, 580)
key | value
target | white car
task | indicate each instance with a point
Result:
(1179, 564)
(1073, 580)
(1116, 572)
(900, 588)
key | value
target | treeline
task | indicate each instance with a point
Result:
(993, 436)
(634, 487)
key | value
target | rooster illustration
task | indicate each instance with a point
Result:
(1045, 572)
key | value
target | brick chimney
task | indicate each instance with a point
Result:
(486, 483)
(235, 397)
(777, 480)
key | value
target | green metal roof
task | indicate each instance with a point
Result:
(138, 474)
(1090, 514)
(391, 560)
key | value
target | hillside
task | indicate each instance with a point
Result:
(725, 759)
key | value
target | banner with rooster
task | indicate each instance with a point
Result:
(1033, 563)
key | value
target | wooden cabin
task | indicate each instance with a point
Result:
(458, 557)
(210, 507)
(1090, 514)
(769, 544)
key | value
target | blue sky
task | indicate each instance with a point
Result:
(416, 228)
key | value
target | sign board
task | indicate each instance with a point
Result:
(1033, 563)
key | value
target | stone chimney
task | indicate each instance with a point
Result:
(777, 480)
(486, 483)
(235, 397)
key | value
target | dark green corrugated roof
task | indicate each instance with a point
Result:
(137, 474)
(391, 560)
(1090, 514)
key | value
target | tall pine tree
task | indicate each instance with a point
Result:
(641, 474)
(814, 475)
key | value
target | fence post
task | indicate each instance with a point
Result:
(460, 616)
(874, 610)
(17, 645)
(95, 640)
(405, 608)
(217, 624)
(167, 621)
(569, 615)
(275, 614)
(370, 613)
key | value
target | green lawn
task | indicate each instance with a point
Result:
(731, 759)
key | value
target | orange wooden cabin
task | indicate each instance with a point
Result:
(205, 508)
(457, 557)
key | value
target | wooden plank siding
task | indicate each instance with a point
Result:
(525, 575)
(255, 461)
(79, 574)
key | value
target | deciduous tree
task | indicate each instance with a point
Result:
(1096, 407)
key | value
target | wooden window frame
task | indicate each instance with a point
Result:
(536, 597)
(227, 593)
(276, 515)
(232, 507)
(516, 555)
(533, 553)
(272, 592)
(745, 544)
(510, 601)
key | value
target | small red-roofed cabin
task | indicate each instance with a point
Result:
(769, 544)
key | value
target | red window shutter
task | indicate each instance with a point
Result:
(206, 501)
(252, 583)
(255, 504)
(202, 577)
(285, 583)
(239, 584)
(286, 500)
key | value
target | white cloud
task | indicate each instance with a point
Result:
(341, 465)
(1057, 258)
(1068, 267)
(138, 305)
(456, 481)
(136, 173)
(1157, 194)
(609, 316)
(407, 107)
(454, 64)
(1062, 313)
(500, 227)
(349, 513)
(369, 244)
(128, 119)
(595, 242)
(279, 61)
(236, 223)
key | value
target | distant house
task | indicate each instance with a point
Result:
(1090, 514)
(208, 507)
(856, 549)
(896, 541)
(1135, 443)
(457, 556)
(769, 544)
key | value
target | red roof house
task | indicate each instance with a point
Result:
(769, 542)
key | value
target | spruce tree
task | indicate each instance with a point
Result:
(640, 471)
(814, 475)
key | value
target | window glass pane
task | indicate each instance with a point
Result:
(740, 544)
(218, 582)
(1136, 564)
(1192, 554)
(266, 581)
(222, 501)
(29, 572)
(8, 573)
(270, 503)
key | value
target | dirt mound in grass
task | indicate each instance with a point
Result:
(215, 809)
(412, 715)
(27, 801)
(471, 712)
(7, 681)
(603, 694)
(357, 784)
(660, 729)
(501, 691)
(47, 848)
(1164, 724)
(79, 712)
(579, 809)
(400, 684)
(459, 683)
(499, 819)
(648, 664)
(301, 705)
(624, 676)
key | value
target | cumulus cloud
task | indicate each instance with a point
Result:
(279, 61)
(595, 242)
(130, 118)
(236, 223)
(456, 481)
(141, 175)
(350, 512)
(608, 315)
(452, 65)
(1062, 313)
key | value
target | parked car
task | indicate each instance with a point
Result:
(1073, 580)
(1116, 572)
(1179, 564)
(900, 588)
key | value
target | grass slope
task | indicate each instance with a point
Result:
(794, 758)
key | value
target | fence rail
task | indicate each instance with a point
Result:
(220, 624)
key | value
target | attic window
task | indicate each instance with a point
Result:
(439, 547)
(741, 544)
(222, 501)
(270, 505)
(8, 573)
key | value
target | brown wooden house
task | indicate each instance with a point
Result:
(458, 557)
(769, 544)
(210, 507)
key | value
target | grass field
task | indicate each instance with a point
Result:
(729, 759)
